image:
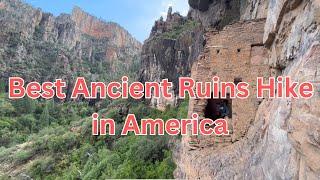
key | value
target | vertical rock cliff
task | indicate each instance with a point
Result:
(175, 43)
(121, 45)
(283, 140)
(40, 46)
(170, 50)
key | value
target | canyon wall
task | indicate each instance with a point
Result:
(175, 43)
(169, 52)
(120, 43)
(283, 140)
(39, 46)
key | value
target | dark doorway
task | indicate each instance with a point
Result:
(218, 108)
(237, 80)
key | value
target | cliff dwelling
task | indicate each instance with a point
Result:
(235, 54)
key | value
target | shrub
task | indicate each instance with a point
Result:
(42, 167)
(62, 143)
(27, 122)
(6, 107)
(5, 153)
(22, 156)
(25, 106)
(179, 29)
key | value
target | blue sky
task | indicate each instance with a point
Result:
(137, 16)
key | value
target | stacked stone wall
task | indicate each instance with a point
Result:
(236, 52)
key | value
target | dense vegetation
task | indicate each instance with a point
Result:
(178, 30)
(53, 140)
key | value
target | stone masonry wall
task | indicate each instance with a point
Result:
(235, 52)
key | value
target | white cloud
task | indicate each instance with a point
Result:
(163, 14)
(177, 5)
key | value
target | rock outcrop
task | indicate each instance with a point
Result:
(215, 13)
(169, 52)
(282, 142)
(175, 43)
(121, 43)
(254, 9)
(39, 46)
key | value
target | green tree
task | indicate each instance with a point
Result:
(6, 108)
(2, 86)
(24, 106)
(45, 117)
(27, 122)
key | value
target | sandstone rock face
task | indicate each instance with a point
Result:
(283, 140)
(121, 43)
(38, 46)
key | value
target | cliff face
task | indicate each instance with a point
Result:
(121, 43)
(292, 34)
(169, 52)
(282, 141)
(254, 9)
(215, 13)
(39, 46)
(174, 44)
